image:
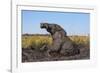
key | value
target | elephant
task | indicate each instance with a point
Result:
(61, 43)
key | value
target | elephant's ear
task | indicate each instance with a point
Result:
(57, 27)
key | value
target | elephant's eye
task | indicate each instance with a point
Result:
(49, 28)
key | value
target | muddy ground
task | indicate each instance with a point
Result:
(33, 55)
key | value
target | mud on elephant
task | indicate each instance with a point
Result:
(61, 42)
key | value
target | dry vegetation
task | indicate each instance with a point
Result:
(31, 45)
(37, 41)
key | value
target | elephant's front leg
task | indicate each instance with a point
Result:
(53, 48)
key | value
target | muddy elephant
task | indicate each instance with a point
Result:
(61, 44)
